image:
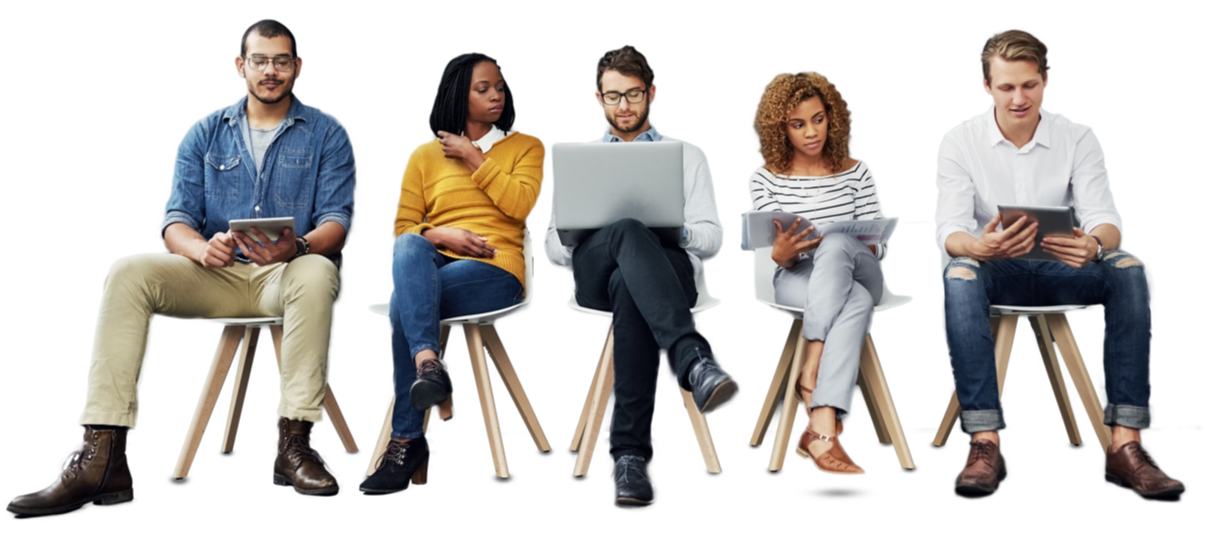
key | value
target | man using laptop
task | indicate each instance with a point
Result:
(1016, 153)
(266, 156)
(649, 286)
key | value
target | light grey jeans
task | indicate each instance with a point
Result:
(838, 287)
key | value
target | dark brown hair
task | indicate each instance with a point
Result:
(627, 61)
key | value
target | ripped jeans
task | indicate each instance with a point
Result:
(1118, 282)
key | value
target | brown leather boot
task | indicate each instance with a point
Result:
(97, 473)
(297, 464)
(984, 470)
(1131, 467)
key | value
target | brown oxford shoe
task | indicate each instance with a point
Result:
(297, 464)
(984, 470)
(98, 473)
(1131, 467)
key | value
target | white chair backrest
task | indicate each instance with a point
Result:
(765, 268)
(528, 267)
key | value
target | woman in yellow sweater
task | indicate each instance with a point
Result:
(459, 245)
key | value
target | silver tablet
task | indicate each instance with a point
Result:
(271, 226)
(1051, 221)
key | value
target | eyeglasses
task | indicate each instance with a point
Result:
(283, 63)
(635, 96)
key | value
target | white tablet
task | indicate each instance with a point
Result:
(1051, 221)
(271, 227)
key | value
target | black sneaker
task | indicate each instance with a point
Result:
(399, 465)
(633, 484)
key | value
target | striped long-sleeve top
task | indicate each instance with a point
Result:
(846, 196)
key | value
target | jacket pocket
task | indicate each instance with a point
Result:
(222, 175)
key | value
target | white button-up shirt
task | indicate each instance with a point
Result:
(978, 169)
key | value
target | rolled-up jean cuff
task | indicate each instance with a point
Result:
(1127, 415)
(299, 414)
(110, 419)
(415, 350)
(982, 421)
(410, 435)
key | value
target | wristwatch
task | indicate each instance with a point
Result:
(302, 246)
(1099, 248)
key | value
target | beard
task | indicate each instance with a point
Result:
(638, 122)
(287, 86)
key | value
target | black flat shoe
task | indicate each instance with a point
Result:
(401, 464)
(633, 484)
(432, 385)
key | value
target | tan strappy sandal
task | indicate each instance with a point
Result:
(834, 460)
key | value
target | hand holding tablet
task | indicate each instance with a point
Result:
(265, 241)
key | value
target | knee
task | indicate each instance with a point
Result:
(628, 227)
(839, 243)
(408, 244)
(130, 270)
(1119, 259)
(962, 268)
(312, 276)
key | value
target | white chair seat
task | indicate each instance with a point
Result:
(481, 335)
(1026, 310)
(249, 321)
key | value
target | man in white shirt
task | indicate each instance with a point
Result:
(649, 286)
(1018, 154)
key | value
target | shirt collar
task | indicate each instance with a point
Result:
(651, 135)
(484, 144)
(1041, 136)
(238, 112)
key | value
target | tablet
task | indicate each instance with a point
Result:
(271, 226)
(1051, 221)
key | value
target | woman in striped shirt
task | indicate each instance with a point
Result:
(803, 125)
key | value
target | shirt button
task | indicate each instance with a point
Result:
(257, 208)
(222, 167)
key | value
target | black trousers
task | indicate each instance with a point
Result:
(650, 288)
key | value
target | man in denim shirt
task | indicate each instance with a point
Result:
(266, 156)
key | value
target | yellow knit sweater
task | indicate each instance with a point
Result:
(492, 202)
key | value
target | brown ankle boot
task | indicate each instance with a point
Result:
(97, 473)
(297, 464)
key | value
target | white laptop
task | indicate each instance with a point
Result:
(597, 184)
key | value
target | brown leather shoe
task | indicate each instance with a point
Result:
(984, 470)
(297, 464)
(98, 473)
(834, 460)
(1131, 467)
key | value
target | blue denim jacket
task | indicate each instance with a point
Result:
(307, 173)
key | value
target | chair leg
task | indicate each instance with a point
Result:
(1003, 328)
(598, 396)
(495, 349)
(250, 337)
(383, 439)
(231, 335)
(1078, 373)
(777, 387)
(482, 379)
(701, 428)
(871, 365)
(1045, 343)
(871, 402)
(445, 408)
(577, 439)
(789, 408)
(329, 399)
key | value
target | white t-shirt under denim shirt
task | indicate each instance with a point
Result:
(978, 169)
(845, 196)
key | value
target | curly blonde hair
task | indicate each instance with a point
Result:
(783, 94)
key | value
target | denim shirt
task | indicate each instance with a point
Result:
(650, 135)
(307, 173)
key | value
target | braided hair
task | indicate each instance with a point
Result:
(452, 105)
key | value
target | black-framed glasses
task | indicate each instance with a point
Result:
(283, 63)
(635, 96)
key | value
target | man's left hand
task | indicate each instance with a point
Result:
(1076, 251)
(271, 252)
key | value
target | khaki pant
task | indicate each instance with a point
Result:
(301, 291)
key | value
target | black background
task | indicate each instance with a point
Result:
(907, 88)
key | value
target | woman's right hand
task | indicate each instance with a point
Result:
(459, 241)
(790, 243)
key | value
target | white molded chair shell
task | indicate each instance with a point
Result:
(765, 269)
(249, 321)
(704, 301)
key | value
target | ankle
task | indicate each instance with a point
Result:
(1122, 435)
(822, 420)
(990, 436)
(400, 440)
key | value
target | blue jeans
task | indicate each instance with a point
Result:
(429, 287)
(1118, 282)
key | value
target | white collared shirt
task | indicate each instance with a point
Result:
(484, 144)
(978, 169)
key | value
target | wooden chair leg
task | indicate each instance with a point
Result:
(701, 428)
(482, 379)
(605, 353)
(329, 399)
(1003, 329)
(1078, 373)
(871, 402)
(231, 335)
(602, 388)
(499, 356)
(871, 365)
(1045, 344)
(383, 439)
(777, 388)
(789, 408)
(246, 355)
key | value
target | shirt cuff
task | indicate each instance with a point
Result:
(945, 232)
(173, 217)
(485, 173)
(344, 220)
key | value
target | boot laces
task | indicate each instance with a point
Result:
(430, 366)
(298, 449)
(395, 453)
(75, 463)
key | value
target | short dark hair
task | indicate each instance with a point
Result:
(452, 105)
(268, 28)
(627, 61)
